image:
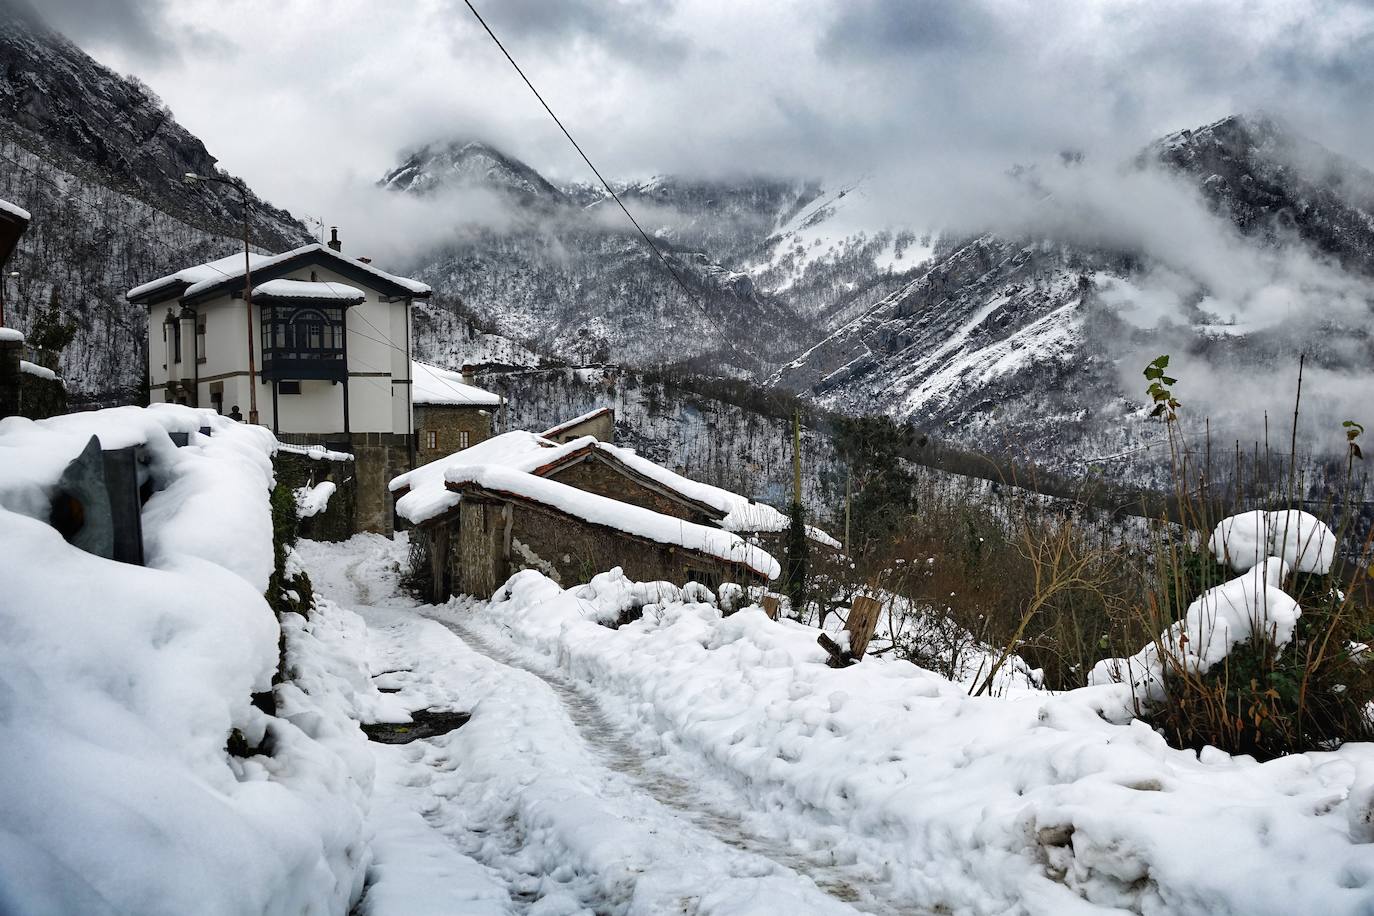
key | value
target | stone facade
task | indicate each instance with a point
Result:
(440, 428)
(594, 474)
(377, 457)
(489, 539)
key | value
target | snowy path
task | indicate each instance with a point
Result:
(539, 804)
(708, 811)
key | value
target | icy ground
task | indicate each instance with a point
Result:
(689, 763)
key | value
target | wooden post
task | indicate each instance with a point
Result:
(848, 503)
(862, 621)
(770, 606)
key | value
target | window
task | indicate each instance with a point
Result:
(200, 342)
(431, 439)
(289, 387)
(463, 439)
(176, 341)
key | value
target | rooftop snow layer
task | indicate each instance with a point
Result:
(413, 286)
(11, 334)
(433, 385)
(518, 450)
(220, 268)
(569, 424)
(15, 210)
(612, 513)
(305, 289)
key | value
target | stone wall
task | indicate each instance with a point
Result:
(41, 398)
(11, 379)
(563, 548)
(338, 521)
(448, 422)
(477, 548)
(378, 457)
(596, 476)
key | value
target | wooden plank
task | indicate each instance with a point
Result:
(861, 623)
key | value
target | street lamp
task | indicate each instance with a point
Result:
(192, 178)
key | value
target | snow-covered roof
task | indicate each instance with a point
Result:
(433, 385)
(575, 421)
(15, 211)
(189, 276)
(306, 289)
(204, 277)
(12, 334)
(612, 513)
(530, 453)
(412, 286)
(427, 497)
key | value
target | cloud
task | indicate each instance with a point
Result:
(635, 31)
(135, 27)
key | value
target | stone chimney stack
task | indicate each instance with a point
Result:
(469, 374)
(334, 239)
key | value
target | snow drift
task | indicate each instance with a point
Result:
(120, 685)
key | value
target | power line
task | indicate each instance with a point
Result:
(691, 297)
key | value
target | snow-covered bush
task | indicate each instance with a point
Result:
(1251, 667)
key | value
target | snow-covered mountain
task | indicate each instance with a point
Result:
(570, 276)
(1034, 344)
(469, 164)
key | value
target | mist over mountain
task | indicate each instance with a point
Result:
(1234, 247)
(1022, 326)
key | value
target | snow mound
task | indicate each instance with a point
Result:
(311, 501)
(1222, 617)
(1027, 803)
(1304, 542)
(120, 685)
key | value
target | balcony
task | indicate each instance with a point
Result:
(303, 342)
(322, 363)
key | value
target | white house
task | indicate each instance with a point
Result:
(331, 348)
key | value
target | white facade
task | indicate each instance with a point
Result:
(212, 321)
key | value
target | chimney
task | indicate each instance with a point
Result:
(469, 374)
(334, 239)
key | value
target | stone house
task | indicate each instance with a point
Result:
(502, 521)
(599, 424)
(605, 500)
(451, 412)
(329, 340)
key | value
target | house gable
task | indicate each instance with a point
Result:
(593, 470)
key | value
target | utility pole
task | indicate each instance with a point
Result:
(796, 457)
(848, 504)
(192, 178)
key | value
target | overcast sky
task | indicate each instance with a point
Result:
(307, 99)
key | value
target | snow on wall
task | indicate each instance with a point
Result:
(119, 686)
